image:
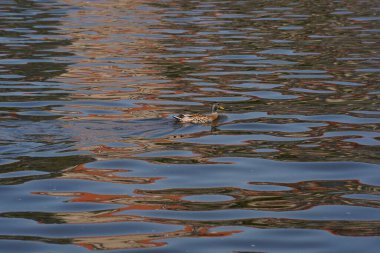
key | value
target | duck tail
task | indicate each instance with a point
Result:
(179, 117)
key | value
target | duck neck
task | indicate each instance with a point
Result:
(214, 115)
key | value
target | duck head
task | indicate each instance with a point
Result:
(215, 107)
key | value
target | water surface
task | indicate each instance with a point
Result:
(91, 159)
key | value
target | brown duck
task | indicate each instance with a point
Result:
(200, 118)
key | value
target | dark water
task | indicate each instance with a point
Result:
(92, 160)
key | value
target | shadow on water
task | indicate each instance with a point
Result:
(91, 158)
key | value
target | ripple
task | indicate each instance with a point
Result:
(344, 83)
(265, 127)
(257, 85)
(312, 91)
(286, 52)
(308, 76)
(365, 18)
(223, 99)
(207, 198)
(237, 139)
(269, 95)
(236, 57)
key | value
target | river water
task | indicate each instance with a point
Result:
(91, 159)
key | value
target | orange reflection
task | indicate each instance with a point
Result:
(191, 228)
(145, 240)
(113, 61)
(104, 175)
(303, 196)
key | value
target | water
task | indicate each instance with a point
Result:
(91, 159)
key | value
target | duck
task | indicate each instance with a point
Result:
(200, 118)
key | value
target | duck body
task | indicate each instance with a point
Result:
(200, 118)
(197, 118)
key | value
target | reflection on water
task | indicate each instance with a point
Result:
(91, 159)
